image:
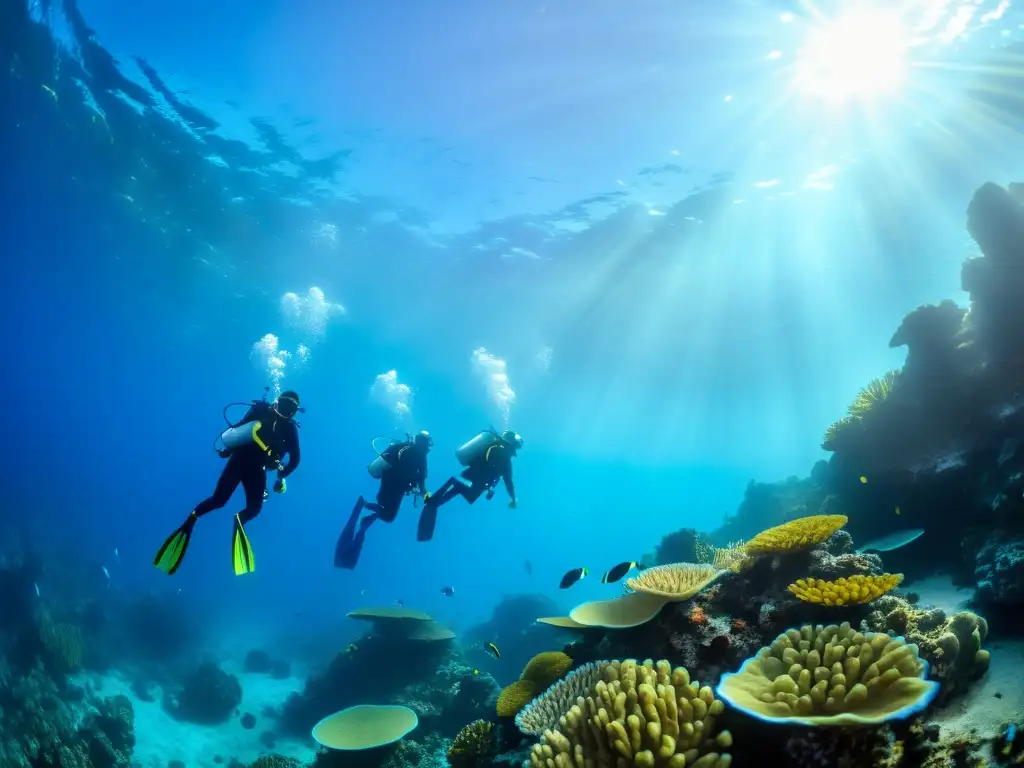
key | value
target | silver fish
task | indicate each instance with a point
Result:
(892, 541)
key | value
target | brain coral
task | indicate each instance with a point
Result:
(831, 676)
(795, 535)
(675, 581)
(514, 697)
(643, 715)
(845, 591)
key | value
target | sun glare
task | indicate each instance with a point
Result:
(861, 55)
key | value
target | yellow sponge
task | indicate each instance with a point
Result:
(846, 591)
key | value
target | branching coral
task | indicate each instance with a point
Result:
(852, 591)
(643, 715)
(676, 581)
(471, 745)
(543, 712)
(795, 535)
(877, 391)
(831, 676)
(274, 761)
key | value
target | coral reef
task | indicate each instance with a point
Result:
(854, 590)
(951, 645)
(674, 581)
(539, 673)
(999, 570)
(471, 745)
(649, 714)
(207, 696)
(543, 712)
(831, 676)
(802, 533)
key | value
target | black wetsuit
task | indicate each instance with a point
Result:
(482, 474)
(248, 464)
(407, 470)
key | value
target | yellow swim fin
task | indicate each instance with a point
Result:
(168, 558)
(241, 551)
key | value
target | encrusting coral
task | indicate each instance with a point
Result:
(854, 590)
(538, 674)
(471, 744)
(795, 535)
(675, 581)
(952, 645)
(643, 715)
(831, 676)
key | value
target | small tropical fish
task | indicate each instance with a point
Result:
(897, 510)
(529, 568)
(117, 555)
(494, 650)
(892, 541)
(1008, 736)
(616, 572)
(351, 647)
(37, 589)
(362, 592)
(572, 577)
(863, 480)
(476, 671)
(400, 603)
(447, 591)
(106, 573)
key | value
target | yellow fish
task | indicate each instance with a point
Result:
(897, 510)
(494, 650)
(863, 479)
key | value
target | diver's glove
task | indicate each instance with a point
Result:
(512, 504)
(280, 486)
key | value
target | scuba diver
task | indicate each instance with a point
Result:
(487, 458)
(252, 447)
(401, 469)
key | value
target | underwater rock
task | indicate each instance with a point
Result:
(258, 662)
(208, 696)
(999, 570)
(280, 670)
(248, 721)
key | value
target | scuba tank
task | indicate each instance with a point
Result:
(243, 434)
(379, 465)
(476, 449)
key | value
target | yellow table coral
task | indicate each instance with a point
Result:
(675, 581)
(795, 535)
(642, 715)
(853, 590)
(831, 676)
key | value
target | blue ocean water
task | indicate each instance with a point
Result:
(629, 232)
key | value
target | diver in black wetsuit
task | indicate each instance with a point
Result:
(405, 472)
(259, 449)
(490, 462)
